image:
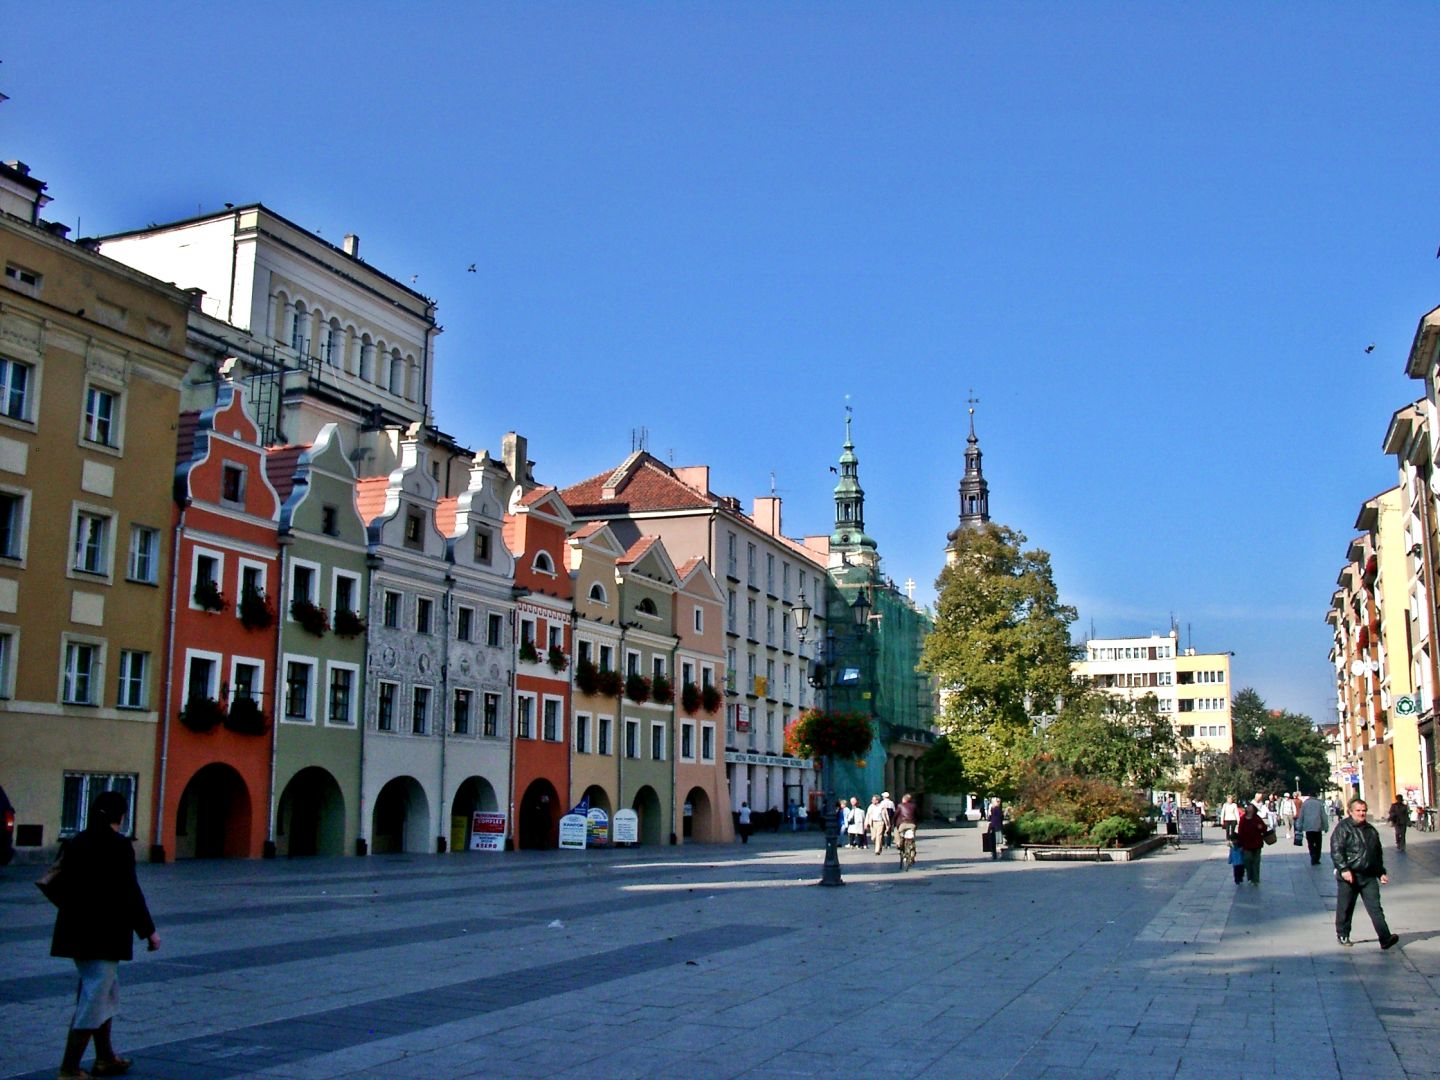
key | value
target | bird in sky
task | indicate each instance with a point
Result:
(471, 268)
(1370, 348)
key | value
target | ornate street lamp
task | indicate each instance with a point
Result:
(861, 610)
(801, 614)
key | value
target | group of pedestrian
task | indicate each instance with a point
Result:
(1355, 849)
(875, 826)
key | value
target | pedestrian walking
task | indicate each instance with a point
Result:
(995, 829)
(1359, 872)
(842, 818)
(1230, 816)
(876, 822)
(1399, 817)
(802, 818)
(1286, 811)
(744, 817)
(101, 905)
(1250, 839)
(888, 805)
(1314, 822)
(855, 823)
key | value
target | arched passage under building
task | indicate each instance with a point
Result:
(651, 826)
(213, 818)
(401, 821)
(700, 819)
(540, 810)
(310, 819)
(476, 793)
(599, 799)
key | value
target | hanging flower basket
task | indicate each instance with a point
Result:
(255, 610)
(661, 692)
(637, 689)
(349, 624)
(528, 653)
(710, 699)
(690, 698)
(207, 594)
(557, 660)
(609, 683)
(818, 733)
(311, 616)
(245, 718)
(202, 713)
(587, 677)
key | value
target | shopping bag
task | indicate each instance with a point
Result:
(1237, 857)
(987, 841)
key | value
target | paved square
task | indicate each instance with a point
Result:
(727, 962)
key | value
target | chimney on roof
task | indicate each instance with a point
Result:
(20, 167)
(513, 452)
(351, 245)
(695, 476)
(54, 228)
(767, 513)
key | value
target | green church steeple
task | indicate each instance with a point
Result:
(849, 535)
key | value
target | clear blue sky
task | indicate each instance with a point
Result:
(1155, 240)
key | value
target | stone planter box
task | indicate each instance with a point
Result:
(1067, 853)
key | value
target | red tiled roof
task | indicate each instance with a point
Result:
(683, 571)
(590, 528)
(637, 550)
(370, 497)
(185, 436)
(445, 512)
(534, 495)
(642, 483)
(280, 463)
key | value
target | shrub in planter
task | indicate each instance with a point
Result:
(349, 624)
(1074, 809)
(609, 683)
(637, 688)
(690, 698)
(201, 713)
(207, 595)
(710, 699)
(587, 677)
(314, 618)
(245, 718)
(528, 653)
(1118, 832)
(1034, 827)
(661, 692)
(557, 660)
(255, 610)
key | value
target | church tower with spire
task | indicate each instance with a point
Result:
(849, 543)
(974, 492)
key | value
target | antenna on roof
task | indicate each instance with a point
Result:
(639, 438)
(772, 481)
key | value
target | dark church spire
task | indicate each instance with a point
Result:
(849, 535)
(974, 491)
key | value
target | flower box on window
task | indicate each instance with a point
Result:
(610, 683)
(245, 718)
(528, 654)
(311, 616)
(255, 610)
(202, 713)
(557, 660)
(587, 677)
(710, 699)
(661, 692)
(690, 698)
(349, 624)
(207, 594)
(637, 689)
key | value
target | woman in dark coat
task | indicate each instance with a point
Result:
(101, 905)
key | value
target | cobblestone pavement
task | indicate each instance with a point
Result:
(721, 962)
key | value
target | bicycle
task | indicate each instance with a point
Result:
(906, 846)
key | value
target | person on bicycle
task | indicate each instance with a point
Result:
(907, 818)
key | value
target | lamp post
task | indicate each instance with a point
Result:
(830, 871)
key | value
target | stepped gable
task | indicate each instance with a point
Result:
(642, 482)
(370, 497)
(280, 465)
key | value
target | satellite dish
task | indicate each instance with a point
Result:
(1357, 668)
(1374, 665)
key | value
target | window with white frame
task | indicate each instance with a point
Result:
(460, 711)
(494, 630)
(390, 608)
(8, 646)
(303, 580)
(555, 635)
(247, 680)
(132, 691)
(490, 716)
(464, 624)
(206, 572)
(202, 676)
(687, 673)
(543, 564)
(232, 483)
(582, 733)
(632, 663)
(341, 701)
(81, 675)
(658, 666)
(12, 524)
(80, 790)
(687, 741)
(424, 610)
(16, 379)
(550, 720)
(91, 550)
(299, 680)
(525, 716)
(607, 657)
(386, 695)
(527, 632)
(143, 563)
(482, 546)
(102, 416)
(346, 593)
(597, 594)
(707, 742)
(632, 738)
(584, 650)
(699, 617)
(603, 725)
(657, 741)
(420, 710)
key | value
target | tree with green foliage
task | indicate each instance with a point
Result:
(1273, 747)
(1000, 644)
(1129, 743)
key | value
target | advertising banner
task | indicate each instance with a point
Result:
(598, 824)
(573, 828)
(627, 827)
(487, 831)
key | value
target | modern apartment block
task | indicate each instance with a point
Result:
(1191, 688)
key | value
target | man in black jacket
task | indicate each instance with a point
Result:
(1359, 872)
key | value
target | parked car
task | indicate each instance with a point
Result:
(7, 830)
